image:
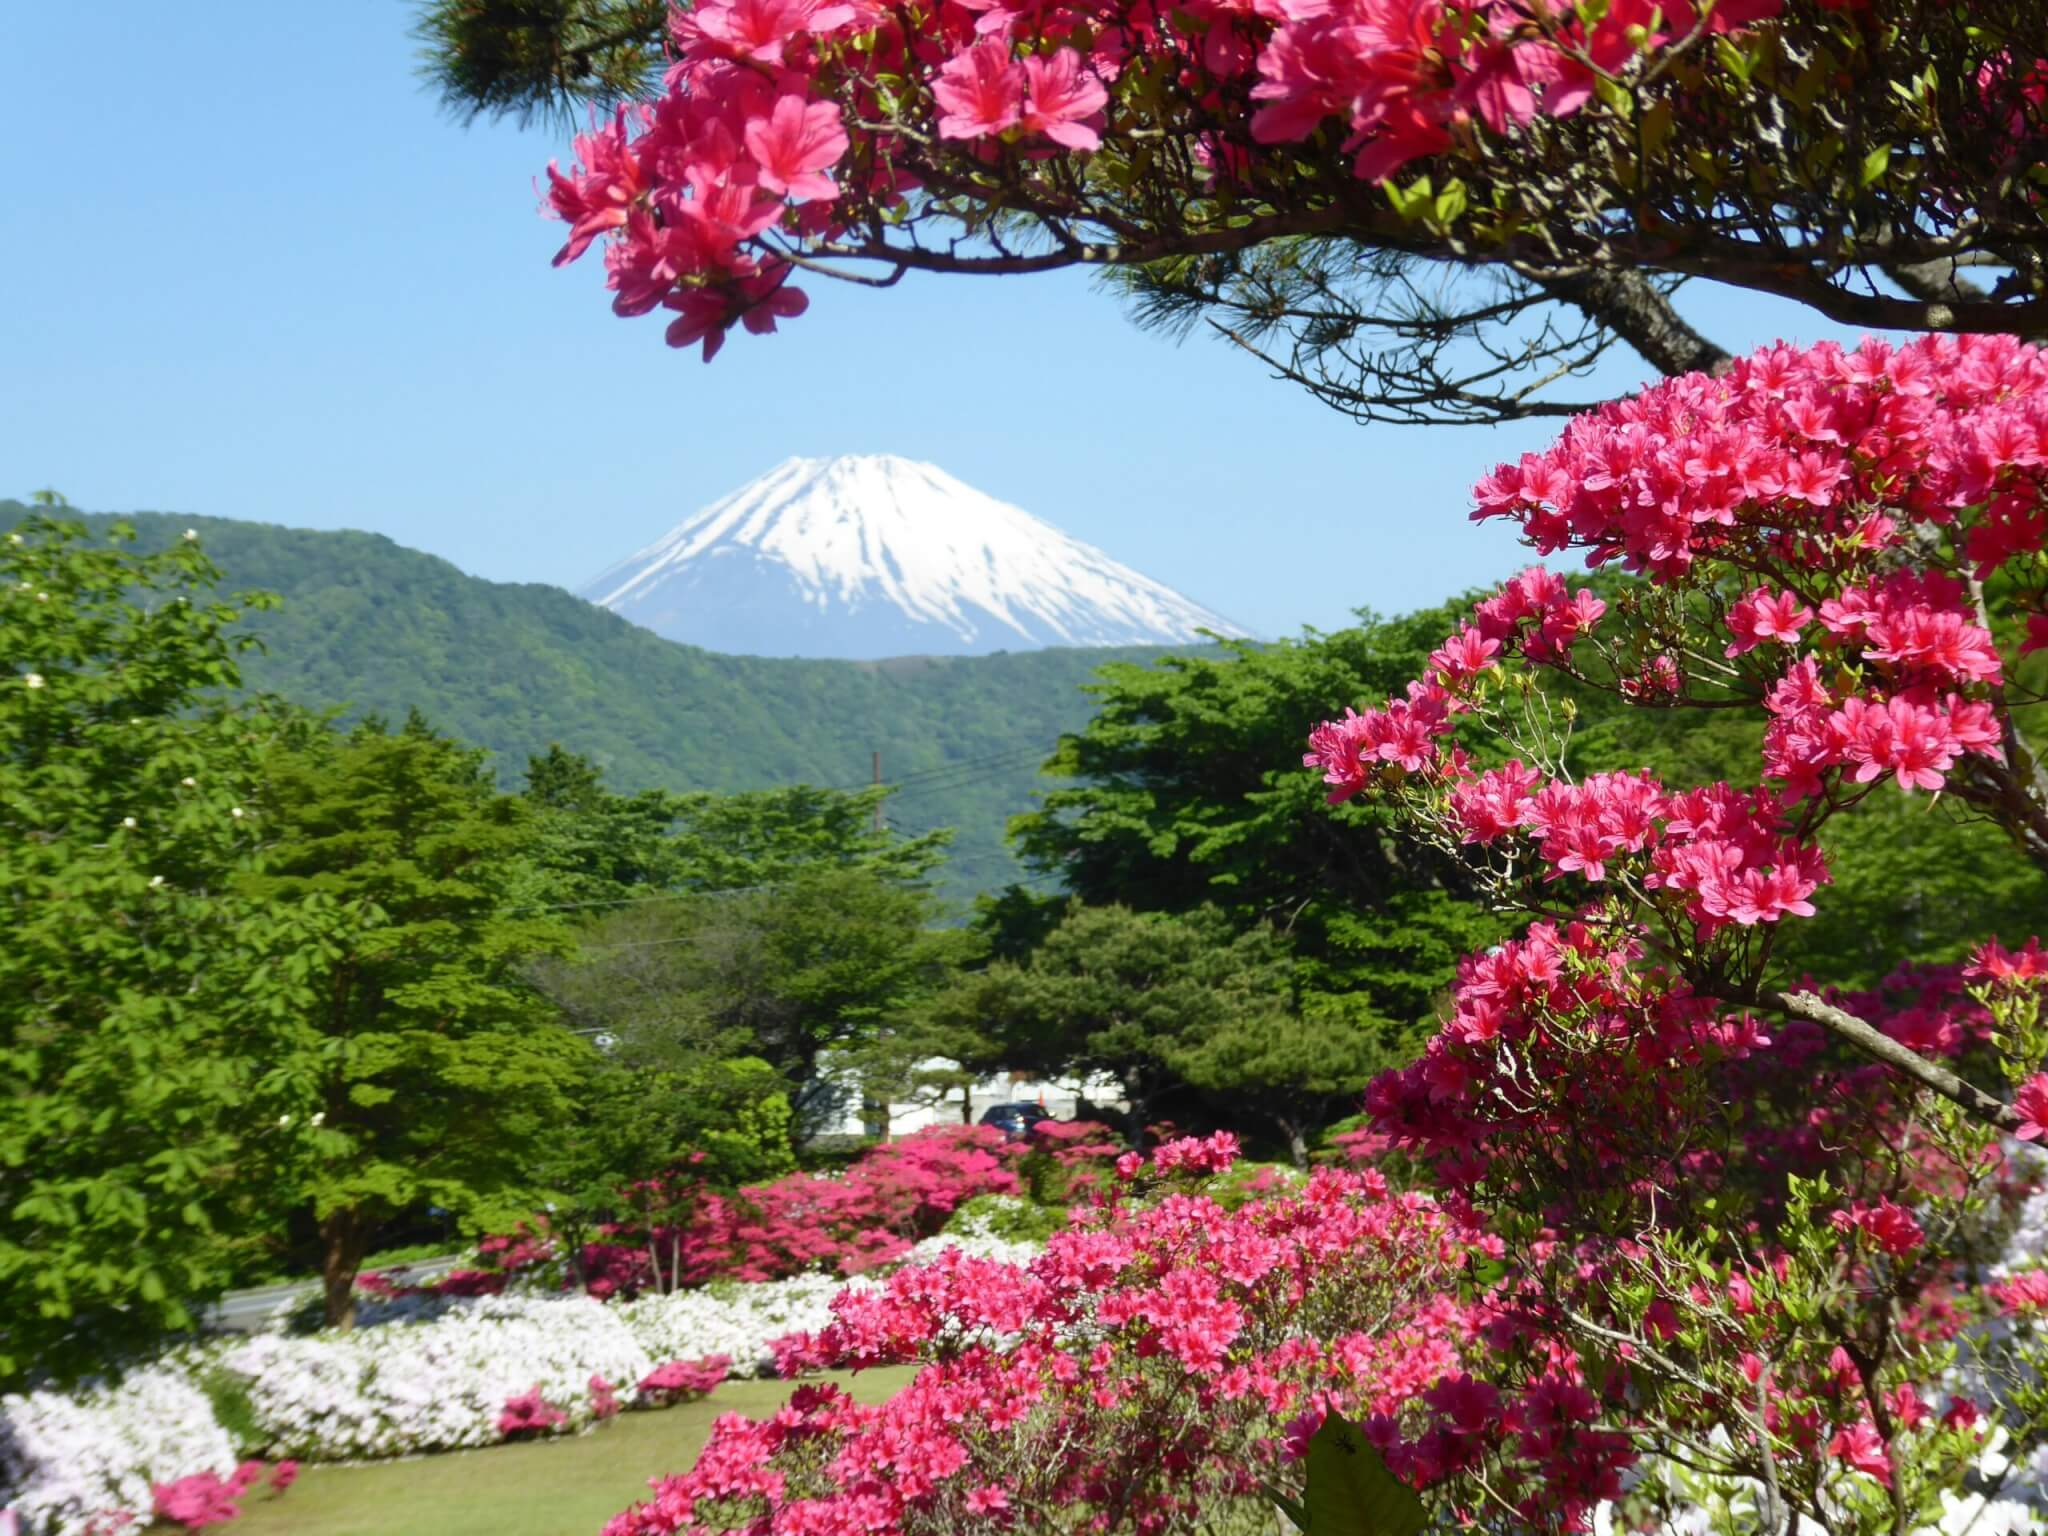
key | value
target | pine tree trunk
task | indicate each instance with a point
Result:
(1136, 1099)
(1297, 1142)
(344, 1240)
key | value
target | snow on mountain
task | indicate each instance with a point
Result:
(870, 555)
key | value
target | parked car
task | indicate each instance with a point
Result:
(1014, 1120)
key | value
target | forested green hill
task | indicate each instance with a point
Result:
(374, 626)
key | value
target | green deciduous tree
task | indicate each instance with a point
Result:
(1294, 1073)
(719, 1124)
(151, 1015)
(440, 1067)
(595, 847)
(1185, 798)
(816, 964)
(1151, 999)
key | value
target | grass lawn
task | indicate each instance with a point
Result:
(545, 1488)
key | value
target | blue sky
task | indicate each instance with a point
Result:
(256, 272)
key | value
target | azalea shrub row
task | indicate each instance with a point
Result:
(678, 1231)
(1695, 1239)
(417, 1375)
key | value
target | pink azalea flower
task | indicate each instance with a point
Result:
(758, 30)
(795, 144)
(980, 92)
(987, 1500)
(2032, 1104)
(1063, 100)
(1994, 962)
(1890, 1226)
(1763, 615)
(1863, 1448)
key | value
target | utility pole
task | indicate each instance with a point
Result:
(878, 798)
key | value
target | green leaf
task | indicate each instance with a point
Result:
(1410, 201)
(1350, 1490)
(1875, 164)
(1735, 58)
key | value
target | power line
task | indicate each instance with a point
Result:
(1004, 758)
(958, 780)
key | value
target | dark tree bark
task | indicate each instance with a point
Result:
(1627, 304)
(344, 1242)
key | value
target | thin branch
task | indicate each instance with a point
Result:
(1874, 1043)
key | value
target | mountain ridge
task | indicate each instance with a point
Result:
(869, 555)
(379, 627)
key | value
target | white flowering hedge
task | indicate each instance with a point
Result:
(416, 1378)
(432, 1386)
(65, 1459)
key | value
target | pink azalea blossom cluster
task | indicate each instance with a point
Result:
(784, 124)
(679, 1380)
(1818, 457)
(1722, 855)
(1513, 1069)
(1166, 1363)
(1403, 79)
(207, 1498)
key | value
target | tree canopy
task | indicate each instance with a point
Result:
(1186, 794)
(438, 1065)
(152, 1014)
(1140, 996)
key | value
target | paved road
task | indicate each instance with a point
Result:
(244, 1311)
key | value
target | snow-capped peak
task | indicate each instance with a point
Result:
(870, 555)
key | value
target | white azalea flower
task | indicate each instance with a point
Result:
(32, 679)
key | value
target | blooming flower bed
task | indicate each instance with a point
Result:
(422, 1375)
(871, 1215)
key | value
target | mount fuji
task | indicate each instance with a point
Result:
(869, 556)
